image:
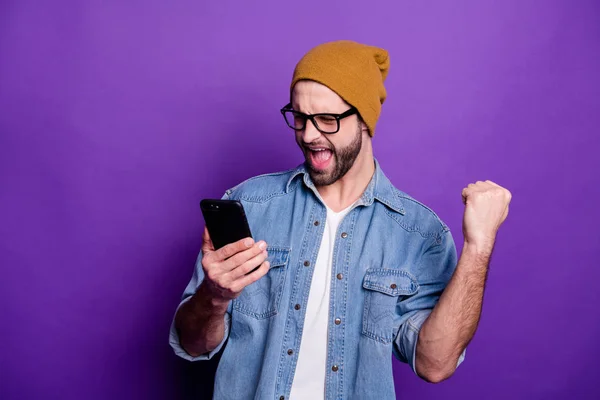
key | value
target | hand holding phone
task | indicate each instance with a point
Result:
(228, 270)
(231, 259)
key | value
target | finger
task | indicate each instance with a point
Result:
(475, 187)
(246, 280)
(506, 192)
(229, 250)
(465, 193)
(482, 186)
(237, 260)
(248, 266)
(207, 244)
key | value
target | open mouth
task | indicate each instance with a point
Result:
(320, 158)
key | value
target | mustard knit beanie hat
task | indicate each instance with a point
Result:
(354, 71)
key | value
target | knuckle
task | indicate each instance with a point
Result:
(205, 263)
(244, 257)
(238, 246)
(212, 275)
(253, 251)
(228, 251)
(246, 267)
(234, 260)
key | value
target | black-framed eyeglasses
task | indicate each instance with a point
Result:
(324, 122)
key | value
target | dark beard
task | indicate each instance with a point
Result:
(345, 159)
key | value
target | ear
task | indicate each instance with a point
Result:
(363, 128)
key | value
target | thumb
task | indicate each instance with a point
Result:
(207, 244)
(464, 194)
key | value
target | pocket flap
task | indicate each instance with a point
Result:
(393, 282)
(277, 256)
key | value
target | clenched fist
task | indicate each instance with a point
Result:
(486, 208)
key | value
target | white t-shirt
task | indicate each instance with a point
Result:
(309, 379)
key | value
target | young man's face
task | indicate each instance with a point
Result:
(328, 156)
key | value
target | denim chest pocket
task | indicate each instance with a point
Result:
(261, 299)
(383, 287)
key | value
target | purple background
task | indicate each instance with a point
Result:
(116, 119)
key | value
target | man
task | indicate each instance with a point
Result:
(351, 269)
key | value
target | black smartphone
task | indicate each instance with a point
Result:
(225, 220)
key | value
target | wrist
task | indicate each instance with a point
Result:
(209, 300)
(478, 248)
(474, 260)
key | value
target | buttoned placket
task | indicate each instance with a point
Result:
(290, 349)
(338, 304)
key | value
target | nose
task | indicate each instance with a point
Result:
(310, 132)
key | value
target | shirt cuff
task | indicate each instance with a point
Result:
(411, 337)
(179, 351)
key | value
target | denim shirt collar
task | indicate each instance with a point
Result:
(379, 188)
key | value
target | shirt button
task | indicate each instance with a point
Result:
(334, 368)
(340, 276)
(290, 352)
(282, 398)
(307, 263)
(316, 223)
(338, 321)
(297, 307)
(393, 286)
(344, 235)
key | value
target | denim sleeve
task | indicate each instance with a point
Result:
(197, 278)
(435, 269)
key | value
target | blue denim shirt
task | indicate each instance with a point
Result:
(392, 258)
